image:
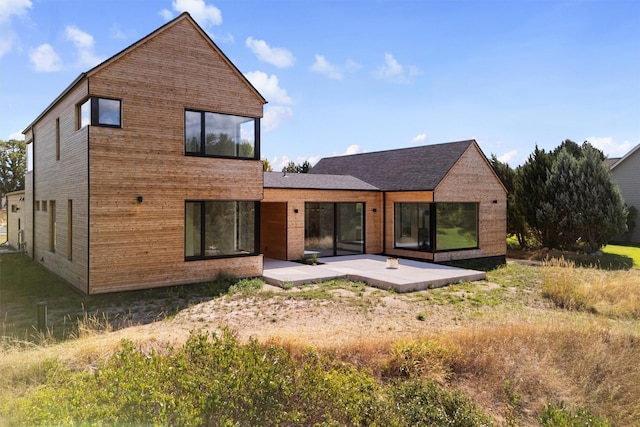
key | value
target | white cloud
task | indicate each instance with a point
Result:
(84, 46)
(9, 8)
(278, 56)
(203, 13)
(166, 14)
(352, 149)
(269, 87)
(508, 157)
(609, 147)
(18, 136)
(336, 72)
(322, 66)
(275, 116)
(279, 163)
(395, 72)
(45, 59)
(419, 138)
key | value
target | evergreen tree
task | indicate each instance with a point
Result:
(516, 225)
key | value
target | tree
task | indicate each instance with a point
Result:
(13, 164)
(266, 166)
(516, 225)
(568, 198)
(530, 191)
(292, 167)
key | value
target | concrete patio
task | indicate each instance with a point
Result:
(371, 269)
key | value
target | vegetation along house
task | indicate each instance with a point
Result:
(146, 170)
(438, 202)
(625, 173)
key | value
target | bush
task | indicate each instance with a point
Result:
(558, 415)
(214, 380)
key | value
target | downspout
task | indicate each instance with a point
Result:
(33, 192)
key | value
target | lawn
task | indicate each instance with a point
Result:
(632, 252)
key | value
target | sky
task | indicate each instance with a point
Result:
(353, 76)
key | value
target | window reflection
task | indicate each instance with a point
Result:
(224, 135)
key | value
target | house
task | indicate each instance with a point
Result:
(15, 219)
(626, 173)
(438, 203)
(145, 171)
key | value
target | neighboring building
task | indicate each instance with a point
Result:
(626, 173)
(146, 170)
(439, 202)
(15, 219)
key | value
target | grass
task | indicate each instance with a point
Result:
(505, 344)
(626, 251)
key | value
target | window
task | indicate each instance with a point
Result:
(457, 226)
(69, 229)
(44, 206)
(433, 227)
(221, 135)
(37, 205)
(14, 208)
(220, 229)
(58, 138)
(332, 229)
(413, 226)
(29, 156)
(100, 112)
(52, 225)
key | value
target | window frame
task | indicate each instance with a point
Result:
(203, 230)
(94, 112)
(203, 129)
(433, 227)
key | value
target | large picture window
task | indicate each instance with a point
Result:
(100, 112)
(221, 135)
(433, 227)
(220, 229)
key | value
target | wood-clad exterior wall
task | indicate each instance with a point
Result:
(472, 179)
(295, 199)
(119, 243)
(58, 181)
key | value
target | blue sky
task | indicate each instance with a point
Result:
(366, 75)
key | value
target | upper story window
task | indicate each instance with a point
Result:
(100, 112)
(29, 156)
(221, 135)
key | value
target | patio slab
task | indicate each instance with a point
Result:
(371, 269)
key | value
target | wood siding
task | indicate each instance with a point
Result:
(59, 181)
(143, 243)
(296, 199)
(118, 243)
(273, 230)
(627, 176)
(472, 180)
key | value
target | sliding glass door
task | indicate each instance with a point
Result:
(334, 229)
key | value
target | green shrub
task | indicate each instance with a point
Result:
(246, 286)
(423, 403)
(558, 415)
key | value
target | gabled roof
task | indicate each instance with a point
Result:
(307, 181)
(181, 17)
(406, 169)
(626, 156)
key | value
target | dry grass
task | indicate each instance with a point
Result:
(503, 339)
(611, 294)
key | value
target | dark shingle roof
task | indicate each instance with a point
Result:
(309, 181)
(406, 169)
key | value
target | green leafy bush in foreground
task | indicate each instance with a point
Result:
(214, 380)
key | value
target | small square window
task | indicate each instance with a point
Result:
(100, 112)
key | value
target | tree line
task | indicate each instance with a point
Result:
(564, 199)
(13, 165)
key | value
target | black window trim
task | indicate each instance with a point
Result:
(202, 153)
(94, 112)
(202, 257)
(433, 231)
